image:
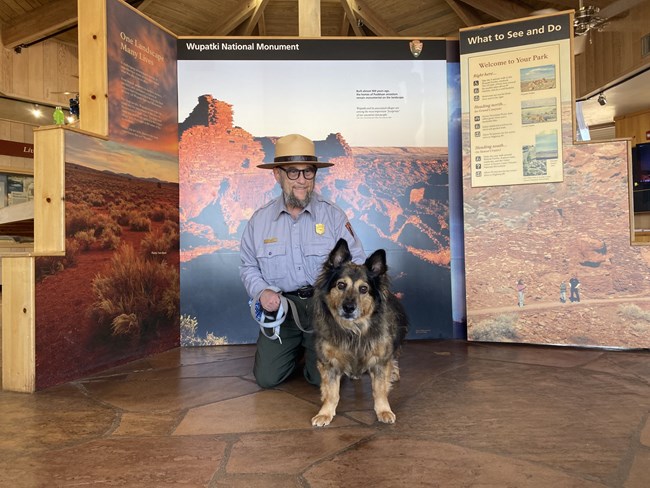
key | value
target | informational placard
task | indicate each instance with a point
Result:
(142, 81)
(516, 80)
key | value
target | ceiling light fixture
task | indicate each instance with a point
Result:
(601, 99)
(37, 112)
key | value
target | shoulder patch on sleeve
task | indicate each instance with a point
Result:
(348, 226)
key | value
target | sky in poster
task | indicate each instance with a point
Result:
(538, 72)
(314, 98)
(119, 158)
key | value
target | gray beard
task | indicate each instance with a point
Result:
(290, 200)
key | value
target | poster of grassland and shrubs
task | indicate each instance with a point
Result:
(114, 296)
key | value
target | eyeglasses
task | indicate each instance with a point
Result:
(293, 173)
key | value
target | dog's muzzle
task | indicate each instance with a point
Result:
(349, 310)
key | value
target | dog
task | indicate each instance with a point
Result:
(359, 326)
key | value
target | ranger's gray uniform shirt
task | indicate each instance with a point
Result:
(279, 251)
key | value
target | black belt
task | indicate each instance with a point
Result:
(303, 293)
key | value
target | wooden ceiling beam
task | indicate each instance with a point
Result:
(618, 7)
(501, 10)
(255, 18)
(371, 19)
(352, 18)
(571, 4)
(246, 9)
(261, 26)
(39, 24)
(143, 5)
(465, 13)
(345, 25)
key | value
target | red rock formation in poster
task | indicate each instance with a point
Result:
(398, 194)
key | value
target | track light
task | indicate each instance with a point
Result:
(602, 100)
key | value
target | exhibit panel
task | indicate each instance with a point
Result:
(112, 296)
(376, 108)
(101, 286)
(548, 259)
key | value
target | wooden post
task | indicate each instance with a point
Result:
(18, 332)
(309, 18)
(93, 69)
(18, 273)
(49, 191)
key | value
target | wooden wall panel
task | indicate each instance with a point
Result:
(16, 131)
(634, 125)
(38, 72)
(61, 59)
(6, 72)
(19, 68)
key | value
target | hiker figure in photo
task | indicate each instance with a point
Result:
(563, 291)
(520, 292)
(575, 289)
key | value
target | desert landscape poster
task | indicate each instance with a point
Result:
(114, 296)
(384, 123)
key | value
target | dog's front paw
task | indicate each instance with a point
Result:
(387, 417)
(321, 420)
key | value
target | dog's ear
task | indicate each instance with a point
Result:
(376, 263)
(340, 254)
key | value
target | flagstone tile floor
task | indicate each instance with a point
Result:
(468, 414)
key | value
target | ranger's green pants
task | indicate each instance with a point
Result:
(274, 362)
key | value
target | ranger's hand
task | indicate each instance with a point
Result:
(270, 300)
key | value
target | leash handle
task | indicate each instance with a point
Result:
(283, 309)
(261, 318)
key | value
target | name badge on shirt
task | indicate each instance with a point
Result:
(320, 229)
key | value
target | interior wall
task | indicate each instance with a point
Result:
(634, 125)
(18, 132)
(35, 74)
(613, 53)
(39, 72)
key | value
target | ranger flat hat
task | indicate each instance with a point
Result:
(295, 149)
